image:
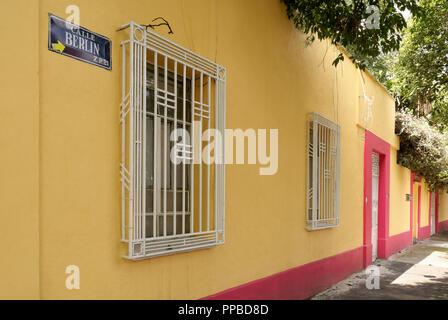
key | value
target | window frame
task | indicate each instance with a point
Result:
(137, 50)
(323, 173)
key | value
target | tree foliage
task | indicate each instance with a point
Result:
(423, 149)
(417, 75)
(420, 76)
(346, 22)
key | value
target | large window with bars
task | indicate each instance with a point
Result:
(173, 196)
(323, 167)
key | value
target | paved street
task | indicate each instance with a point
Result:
(418, 272)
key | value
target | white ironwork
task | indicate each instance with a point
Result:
(323, 173)
(170, 203)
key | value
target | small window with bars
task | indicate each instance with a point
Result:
(323, 167)
(172, 201)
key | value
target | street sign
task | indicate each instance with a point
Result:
(77, 42)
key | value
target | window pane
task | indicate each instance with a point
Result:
(169, 175)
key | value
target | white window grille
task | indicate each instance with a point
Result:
(323, 166)
(170, 203)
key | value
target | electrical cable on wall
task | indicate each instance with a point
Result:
(164, 23)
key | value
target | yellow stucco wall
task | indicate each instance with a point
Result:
(424, 210)
(383, 110)
(72, 151)
(267, 87)
(424, 205)
(19, 141)
(381, 123)
(443, 206)
(399, 210)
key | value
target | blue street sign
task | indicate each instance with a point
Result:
(77, 42)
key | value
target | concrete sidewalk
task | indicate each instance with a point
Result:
(418, 272)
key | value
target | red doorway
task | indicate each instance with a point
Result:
(374, 144)
(417, 232)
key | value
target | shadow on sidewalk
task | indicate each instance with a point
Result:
(417, 272)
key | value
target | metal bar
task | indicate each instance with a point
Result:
(175, 153)
(338, 181)
(140, 140)
(183, 52)
(326, 172)
(200, 161)
(190, 64)
(319, 197)
(310, 189)
(333, 165)
(325, 130)
(326, 192)
(176, 50)
(315, 171)
(161, 238)
(192, 143)
(223, 173)
(208, 164)
(173, 243)
(170, 118)
(165, 77)
(155, 181)
(220, 190)
(125, 26)
(145, 88)
(141, 114)
(134, 178)
(329, 170)
(180, 52)
(184, 95)
(201, 116)
(217, 154)
(321, 174)
(123, 147)
(168, 213)
(137, 142)
(131, 137)
(329, 174)
(187, 248)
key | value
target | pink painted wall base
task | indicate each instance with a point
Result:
(304, 281)
(398, 242)
(443, 225)
(297, 283)
(424, 233)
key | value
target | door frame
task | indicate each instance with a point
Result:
(436, 212)
(419, 213)
(376, 144)
(430, 215)
(413, 177)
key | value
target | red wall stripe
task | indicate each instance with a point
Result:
(299, 282)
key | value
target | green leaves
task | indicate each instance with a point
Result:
(421, 70)
(416, 73)
(349, 23)
(423, 149)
